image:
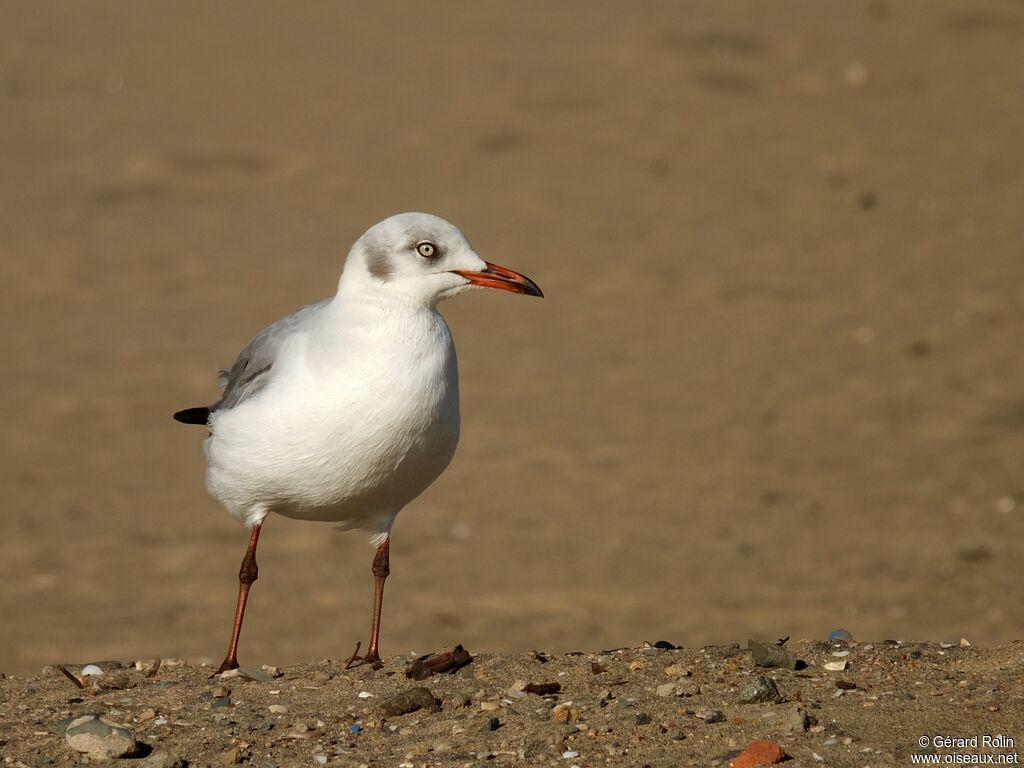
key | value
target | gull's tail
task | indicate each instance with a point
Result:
(198, 415)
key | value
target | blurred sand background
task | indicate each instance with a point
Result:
(775, 386)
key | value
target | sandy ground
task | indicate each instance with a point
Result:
(889, 705)
(774, 389)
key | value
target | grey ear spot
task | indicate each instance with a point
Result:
(378, 263)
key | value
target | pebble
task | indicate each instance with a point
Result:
(320, 759)
(710, 715)
(274, 672)
(570, 754)
(490, 724)
(835, 666)
(677, 670)
(771, 655)
(161, 759)
(840, 635)
(642, 718)
(99, 739)
(795, 720)
(760, 752)
(677, 734)
(231, 756)
(563, 713)
(410, 700)
(458, 699)
(278, 709)
(489, 706)
(760, 690)
(91, 670)
(365, 695)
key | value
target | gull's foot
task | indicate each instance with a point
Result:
(355, 660)
(225, 666)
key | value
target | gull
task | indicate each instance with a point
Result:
(347, 410)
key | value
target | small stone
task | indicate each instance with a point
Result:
(666, 689)
(840, 654)
(222, 702)
(642, 718)
(965, 643)
(161, 759)
(760, 690)
(274, 672)
(677, 734)
(278, 709)
(99, 739)
(255, 674)
(563, 713)
(771, 655)
(490, 724)
(365, 695)
(441, 746)
(220, 691)
(710, 715)
(458, 699)
(677, 670)
(411, 700)
(635, 666)
(795, 720)
(840, 635)
(760, 752)
(91, 670)
(147, 714)
(231, 756)
(320, 759)
(489, 706)
(835, 666)
(570, 754)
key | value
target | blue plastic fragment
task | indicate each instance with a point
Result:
(840, 634)
(355, 728)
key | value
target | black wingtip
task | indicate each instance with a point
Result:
(193, 415)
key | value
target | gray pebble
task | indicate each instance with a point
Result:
(161, 759)
(642, 718)
(795, 721)
(99, 739)
(771, 655)
(760, 690)
(491, 724)
(711, 715)
(408, 701)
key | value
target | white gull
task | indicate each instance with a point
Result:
(346, 410)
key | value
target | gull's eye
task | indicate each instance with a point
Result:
(426, 249)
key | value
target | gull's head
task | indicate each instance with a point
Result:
(426, 259)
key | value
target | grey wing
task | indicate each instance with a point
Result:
(254, 368)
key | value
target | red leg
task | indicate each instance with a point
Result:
(381, 569)
(247, 574)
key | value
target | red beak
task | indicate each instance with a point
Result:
(505, 279)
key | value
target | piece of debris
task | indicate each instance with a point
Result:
(760, 752)
(542, 689)
(441, 663)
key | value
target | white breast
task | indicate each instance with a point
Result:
(362, 416)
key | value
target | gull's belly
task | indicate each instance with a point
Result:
(354, 454)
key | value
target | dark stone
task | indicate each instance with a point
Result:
(408, 701)
(760, 690)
